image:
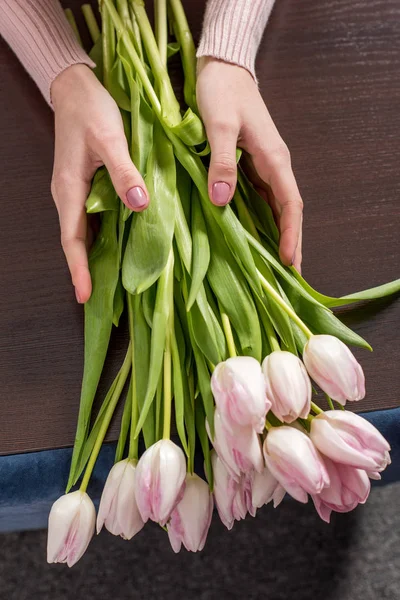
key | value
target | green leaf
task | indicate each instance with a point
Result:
(182, 235)
(99, 311)
(201, 248)
(119, 298)
(158, 336)
(191, 129)
(125, 424)
(150, 237)
(102, 195)
(179, 395)
(172, 49)
(149, 301)
(205, 445)
(142, 364)
(204, 329)
(96, 54)
(380, 291)
(259, 206)
(230, 287)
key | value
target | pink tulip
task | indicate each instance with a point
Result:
(334, 368)
(349, 439)
(348, 488)
(239, 390)
(160, 481)
(265, 489)
(191, 519)
(288, 386)
(118, 510)
(225, 488)
(238, 447)
(242, 501)
(294, 461)
(71, 527)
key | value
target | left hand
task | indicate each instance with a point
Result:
(234, 114)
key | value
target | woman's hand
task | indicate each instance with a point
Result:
(234, 115)
(88, 133)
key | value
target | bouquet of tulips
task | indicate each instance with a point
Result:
(220, 332)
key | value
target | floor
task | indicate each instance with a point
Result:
(279, 555)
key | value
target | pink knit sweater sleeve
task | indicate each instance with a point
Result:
(41, 37)
(232, 30)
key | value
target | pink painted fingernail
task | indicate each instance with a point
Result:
(136, 197)
(221, 192)
(78, 298)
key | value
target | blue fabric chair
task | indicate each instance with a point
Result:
(30, 483)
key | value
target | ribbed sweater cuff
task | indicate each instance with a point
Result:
(42, 38)
(232, 30)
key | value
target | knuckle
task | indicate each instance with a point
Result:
(222, 126)
(296, 204)
(102, 136)
(279, 156)
(61, 180)
(122, 173)
(224, 162)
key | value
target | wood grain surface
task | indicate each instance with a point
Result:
(330, 74)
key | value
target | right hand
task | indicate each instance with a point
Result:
(88, 134)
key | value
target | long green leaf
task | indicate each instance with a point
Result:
(99, 311)
(179, 395)
(125, 424)
(201, 248)
(102, 195)
(151, 233)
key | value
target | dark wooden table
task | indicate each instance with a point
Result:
(330, 74)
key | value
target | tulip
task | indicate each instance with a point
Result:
(238, 447)
(118, 510)
(71, 527)
(294, 461)
(288, 386)
(348, 488)
(239, 390)
(265, 488)
(225, 488)
(349, 439)
(191, 519)
(242, 501)
(334, 368)
(160, 481)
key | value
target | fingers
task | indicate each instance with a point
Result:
(223, 169)
(298, 256)
(126, 179)
(69, 196)
(274, 168)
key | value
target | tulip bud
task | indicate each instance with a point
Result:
(348, 488)
(225, 488)
(160, 481)
(288, 386)
(294, 461)
(349, 439)
(238, 447)
(71, 527)
(334, 368)
(191, 519)
(239, 390)
(242, 501)
(265, 488)
(118, 510)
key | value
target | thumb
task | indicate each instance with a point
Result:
(222, 173)
(127, 180)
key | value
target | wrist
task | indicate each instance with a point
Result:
(74, 78)
(213, 65)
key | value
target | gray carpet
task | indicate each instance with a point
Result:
(279, 555)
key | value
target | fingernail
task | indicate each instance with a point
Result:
(136, 197)
(221, 192)
(79, 299)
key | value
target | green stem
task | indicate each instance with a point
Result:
(108, 40)
(133, 55)
(170, 106)
(245, 216)
(271, 335)
(133, 441)
(280, 301)
(228, 333)
(123, 9)
(91, 22)
(268, 425)
(167, 352)
(124, 372)
(316, 408)
(329, 401)
(160, 13)
(188, 52)
(71, 20)
(158, 408)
